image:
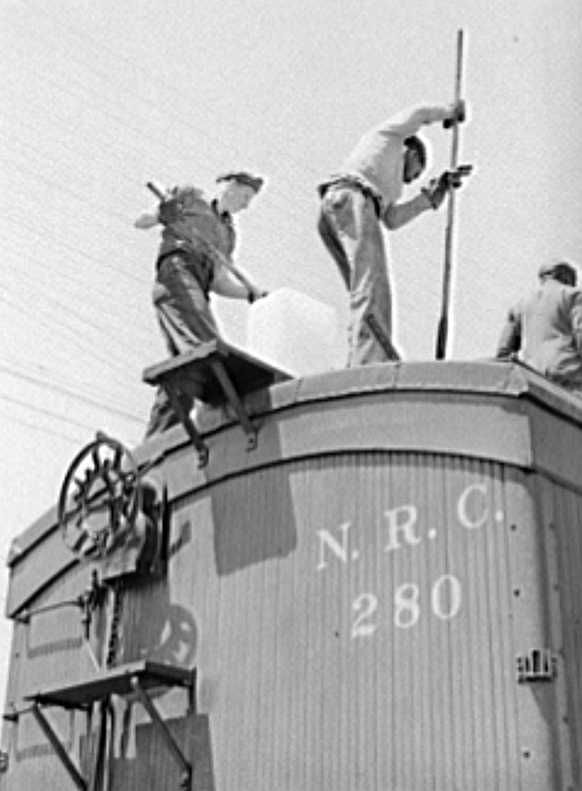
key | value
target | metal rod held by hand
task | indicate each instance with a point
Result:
(443, 327)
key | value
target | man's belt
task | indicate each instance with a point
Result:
(203, 271)
(354, 182)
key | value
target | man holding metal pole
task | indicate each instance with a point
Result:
(195, 258)
(363, 197)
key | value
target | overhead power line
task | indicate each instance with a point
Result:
(126, 220)
(116, 326)
(105, 390)
(54, 184)
(32, 282)
(47, 412)
(166, 87)
(70, 393)
(41, 231)
(52, 322)
(116, 163)
(65, 312)
(286, 208)
(43, 429)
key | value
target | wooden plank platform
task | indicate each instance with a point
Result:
(194, 372)
(116, 681)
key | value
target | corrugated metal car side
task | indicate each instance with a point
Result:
(353, 619)
(48, 650)
(561, 519)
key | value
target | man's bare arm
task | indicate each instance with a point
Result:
(399, 214)
(146, 220)
(225, 284)
(408, 122)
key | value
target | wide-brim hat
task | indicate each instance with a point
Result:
(243, 177)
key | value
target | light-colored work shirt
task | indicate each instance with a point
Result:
(547, 328)
(377, 159)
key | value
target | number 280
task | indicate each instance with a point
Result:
(407, 607)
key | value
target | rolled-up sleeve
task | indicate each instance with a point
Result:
(408, 122)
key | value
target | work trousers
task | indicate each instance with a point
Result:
(185, 320)
(350, 229)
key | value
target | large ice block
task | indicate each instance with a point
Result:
(294, 332)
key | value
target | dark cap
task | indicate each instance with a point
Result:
(561, 270)
(416, 143)
(242, 177)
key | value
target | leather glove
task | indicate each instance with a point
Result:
(169, 211)
(457, 116)
(437, 189)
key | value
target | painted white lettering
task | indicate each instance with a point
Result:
(407, 610)
(462, 504)
(454, 598)
(401, 521)
(366, 605)
(339, 548)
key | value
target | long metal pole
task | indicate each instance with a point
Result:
(443, 328)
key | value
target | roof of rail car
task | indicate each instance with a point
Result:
(477, 378)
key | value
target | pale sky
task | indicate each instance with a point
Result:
(101, 96)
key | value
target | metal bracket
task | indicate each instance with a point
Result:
(214, 372)
(540, 664)
(233, 397)
(221, 374)
(24, 616)
(135, 677)
(87, 602)
(197, 441)
(165, 733)
(54, 740)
